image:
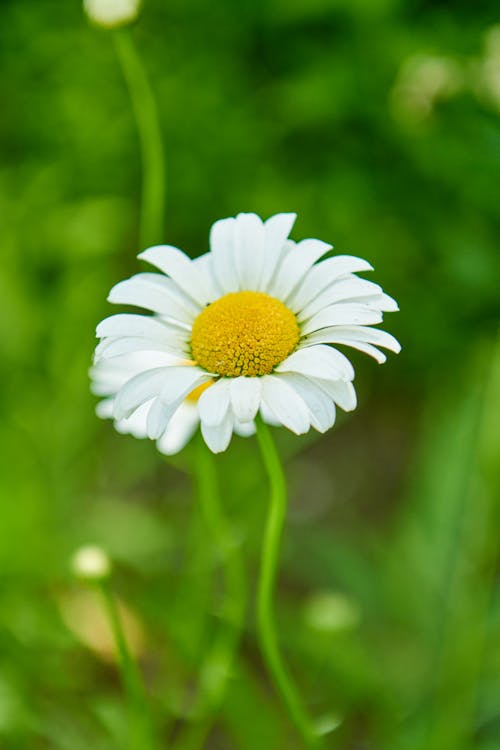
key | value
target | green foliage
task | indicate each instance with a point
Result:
(377, 121)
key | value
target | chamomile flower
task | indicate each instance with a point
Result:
(246, 328)
(91, 563)
(111, 14)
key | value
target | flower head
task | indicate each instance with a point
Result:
(246, 328)
(91, 563)
(112, 13)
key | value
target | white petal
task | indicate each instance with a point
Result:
(277, 228)
(351, 285)
(285, 404)
(205, 266)
(244, 429)
(342, 313)
(128, 324)
(135, 424)
(347, 289)
(349, 335)
(106, 384)
(218, 438)
(137, 390)
(101, 387)
(180, 381)
(295, 263)
(321, 407)
(113, 347)
(214, 403)
(340, 391)
(245, 398)
(159, 416)
(372, 351)
(316, 338)
(109, 375)
(104, 408)
(379, 302)
(222, 244)
(180, 430)
(320, 276)
(268, 416)
(155, 292)
(180, 268)
(361, 346)
(318, 361)
(249, 249)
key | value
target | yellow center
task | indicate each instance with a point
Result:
(244, 333)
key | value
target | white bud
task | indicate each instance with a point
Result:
(331, 611)
(91, 563)
(327, 723)
(112, 13)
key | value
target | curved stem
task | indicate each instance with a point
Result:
(267, 579)
(148, 128)
(217, 665)
(141, 735)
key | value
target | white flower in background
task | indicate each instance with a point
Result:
(112, 13)
(91, 563)
(252, 321)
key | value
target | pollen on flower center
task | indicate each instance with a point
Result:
(244, 333)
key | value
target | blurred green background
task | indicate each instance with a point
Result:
(377, 121)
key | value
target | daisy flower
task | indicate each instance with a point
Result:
(246, 328)
(111, 14)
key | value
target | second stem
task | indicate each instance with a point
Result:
(148, 128)
(267, 579)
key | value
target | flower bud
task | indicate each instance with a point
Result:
(331, 611)
(110, 14)
(91, 563)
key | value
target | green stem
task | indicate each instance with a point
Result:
(147, 121)
(216, 668)
(223, 536)
(267, 579)
(141, 736)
